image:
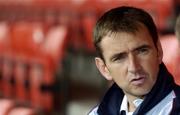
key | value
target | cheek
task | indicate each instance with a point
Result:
(119, 75)
(151, 66)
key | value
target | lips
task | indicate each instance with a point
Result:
(138, 80)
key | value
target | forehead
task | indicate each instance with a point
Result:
(123, 41)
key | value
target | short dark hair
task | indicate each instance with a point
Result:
(122, 19)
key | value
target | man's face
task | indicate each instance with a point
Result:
(131, 60)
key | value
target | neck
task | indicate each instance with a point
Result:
(131, 105)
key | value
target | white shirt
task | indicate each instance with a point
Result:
(124, 105)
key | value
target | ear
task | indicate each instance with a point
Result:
(160, 52)
(103, 68)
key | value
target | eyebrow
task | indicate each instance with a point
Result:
(118, 55)
(142, 47)
(135, 49)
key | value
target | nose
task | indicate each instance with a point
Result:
(134, 64)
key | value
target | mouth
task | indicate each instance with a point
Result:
(138, 81)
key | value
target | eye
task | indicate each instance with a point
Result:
(120, 58)
(143, 51)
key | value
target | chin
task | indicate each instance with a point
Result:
(141, 93)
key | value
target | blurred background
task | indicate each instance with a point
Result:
(47, 56)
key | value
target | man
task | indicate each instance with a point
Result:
(130, 54)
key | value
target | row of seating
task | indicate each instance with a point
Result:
(161, 10)
(29, 57)
(31, 53)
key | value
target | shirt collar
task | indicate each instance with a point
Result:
(124, 105)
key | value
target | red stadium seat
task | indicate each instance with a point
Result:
(43, 66)
(26, 40)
